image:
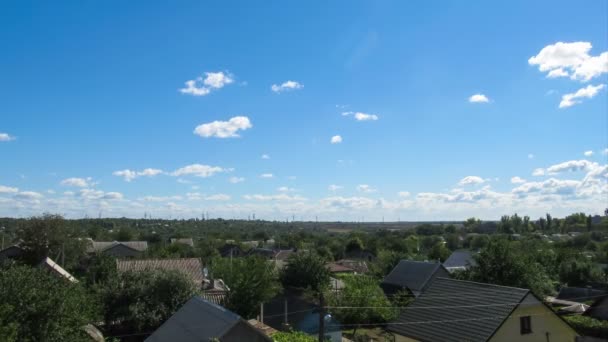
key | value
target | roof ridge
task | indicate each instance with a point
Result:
(484, 284)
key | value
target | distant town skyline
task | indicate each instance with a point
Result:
(381, 110)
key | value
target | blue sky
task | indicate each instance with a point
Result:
(438, 106)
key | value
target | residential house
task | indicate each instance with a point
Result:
(599, 308)
(412, 276)
(191, 267)
(456, 310)
(15, 252)
(200, 320)
(360, 254)
(231, 250)
(335, 268)
(11, 252)
(459, 261)
(183, 241)
(118, 249)
(263, 252)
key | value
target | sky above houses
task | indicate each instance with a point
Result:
(341, 110)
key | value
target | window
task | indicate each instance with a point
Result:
(525, 325)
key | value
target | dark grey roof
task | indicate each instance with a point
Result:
(456, 310)
(579, 294)
(199, 320)
(460, 259)
(412, 274)
(100, 246)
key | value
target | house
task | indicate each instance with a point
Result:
(412, 276)
(456, 310)
(200, 320)
(360, 254)
(580, 294)
(459, 261)
(118, 249)
(263, 252)
(191, 267)
(599, 308)
(11, 252)
(231, 250)
(15, 252)
(334, 267)
(183, 241)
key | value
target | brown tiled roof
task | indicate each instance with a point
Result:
(192, 267)
(337, 268)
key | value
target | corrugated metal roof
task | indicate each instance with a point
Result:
(458, 310)
(192, 267)
(412, 274)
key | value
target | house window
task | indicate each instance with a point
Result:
(525, 325)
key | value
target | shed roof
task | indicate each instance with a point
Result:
(459, 259)
(412, 274)
(456, 310)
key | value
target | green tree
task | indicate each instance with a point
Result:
(252, 280)
(354, 244)
(362, 301)
(8, 327)
(306, 271)
(137, 302)
(39, 306)
(292, 336)
(439, 252)
(386, 261)
(579, 272)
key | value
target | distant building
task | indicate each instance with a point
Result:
(412, 276)
(118, 249)
(231, 250)
(15, 252)
(183, 241)
(200, 320)
(348, 266)
(454, 310)
(459, 261)
(599, 309)
(580, 294)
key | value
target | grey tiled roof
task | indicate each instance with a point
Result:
(456, 310)
(412, 274)
(100, 246)
(460, 259)
(192, 267)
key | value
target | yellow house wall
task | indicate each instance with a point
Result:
(543, 321)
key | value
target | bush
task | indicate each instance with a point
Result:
(588, 326)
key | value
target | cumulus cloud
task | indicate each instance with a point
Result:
(403, 194)
(278, 197)
(77, 182)
(549, 186)
(517, 180)
(605, 152)
(29, 196)
(203, 86)
(267, 175)
(334, 187)
(285, 189)
(286, 86)
(223, 129)
(265, 156)
(538, 172)
(218, 197)
(130, 175)
(199, 170)
(365, 188)
(6, 137)
(569, 100)
(570, 60)
(588, 153)
(8, 190)
(359, 116)
(92, 194)
(348, 203)
(336, 139)
(479, 98)
(572, 166)
(470, 180)
(235, 180)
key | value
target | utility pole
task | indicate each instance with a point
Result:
(321, 317)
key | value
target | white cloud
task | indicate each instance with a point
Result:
(29, 196)
(549, 186)
(265, 156)
(235, 180)
(348, 203)
(285, 189)
(530, 156)
(570, 59)
(572, 166)
(278, 197)
(365, 188)
(469, 180)
(130, 175)
(571, 99)
(199, 170)
(160, 198)
(479, 98)
(112, 196)
(7, 189)
(605, 152)
(334, 188)
(517, 180)
(538, 172)
(77, 182)
(223, 129)
(588, 153)
(203, 86)
(336, 139)
(6, 137)
(359, 116)
(218, 197)
(403, 194)
(286, 86)
(266, 175)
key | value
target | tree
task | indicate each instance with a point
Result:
(252, 280)
(452, 242)
(502, 264)
(361, 301)
(386, 261)
(39, 306)
(439, 252)
(472, 223)
(136, 302)
(354, 244)
(579, 272)
(292, 336)
(306, 271)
